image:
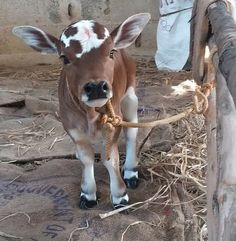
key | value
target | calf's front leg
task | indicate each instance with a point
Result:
(85, 154)
(119, 195)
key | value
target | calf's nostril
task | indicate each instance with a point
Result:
(88, 88)
(104, 86)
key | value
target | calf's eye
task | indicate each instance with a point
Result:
(64, 59)
(113, 51)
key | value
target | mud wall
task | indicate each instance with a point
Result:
(54, 15)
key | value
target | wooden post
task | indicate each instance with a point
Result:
(221, 116)
(222, 138)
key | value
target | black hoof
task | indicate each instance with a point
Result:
(84, 203)
(132, 182)
(123, 203)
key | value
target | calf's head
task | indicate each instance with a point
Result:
(86, 49)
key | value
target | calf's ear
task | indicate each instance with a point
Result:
(37, 39)
(125, 34)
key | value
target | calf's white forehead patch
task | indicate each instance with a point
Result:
(86, 36)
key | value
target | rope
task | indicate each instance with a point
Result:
(200, 99)
(111, 120)
(200, 107)
(109, 129)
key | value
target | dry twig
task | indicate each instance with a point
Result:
(78, 229)
(132, 224)
(5, 235)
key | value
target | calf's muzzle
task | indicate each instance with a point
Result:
(98, 90)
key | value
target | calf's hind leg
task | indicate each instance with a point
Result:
(129, 108)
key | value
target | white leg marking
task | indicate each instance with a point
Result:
(90, 197)
(129, 174)
(129, 104)
(129, 107)
(118, 200)
(117, 186)
(131, 161)
(88, 184)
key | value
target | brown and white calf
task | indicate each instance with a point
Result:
(96, 68)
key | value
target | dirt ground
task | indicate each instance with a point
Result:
(171, 197)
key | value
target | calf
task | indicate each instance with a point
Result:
(95, 69)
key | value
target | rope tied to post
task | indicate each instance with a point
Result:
(200, 98)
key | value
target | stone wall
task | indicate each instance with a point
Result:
(54, 15)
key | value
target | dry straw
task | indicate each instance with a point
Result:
(184, 166)
(26, 138)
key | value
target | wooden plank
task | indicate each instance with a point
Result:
(212, 170)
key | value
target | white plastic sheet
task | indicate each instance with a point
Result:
(233, 6)
(173, 34)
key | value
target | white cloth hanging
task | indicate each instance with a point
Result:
(173, 34)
